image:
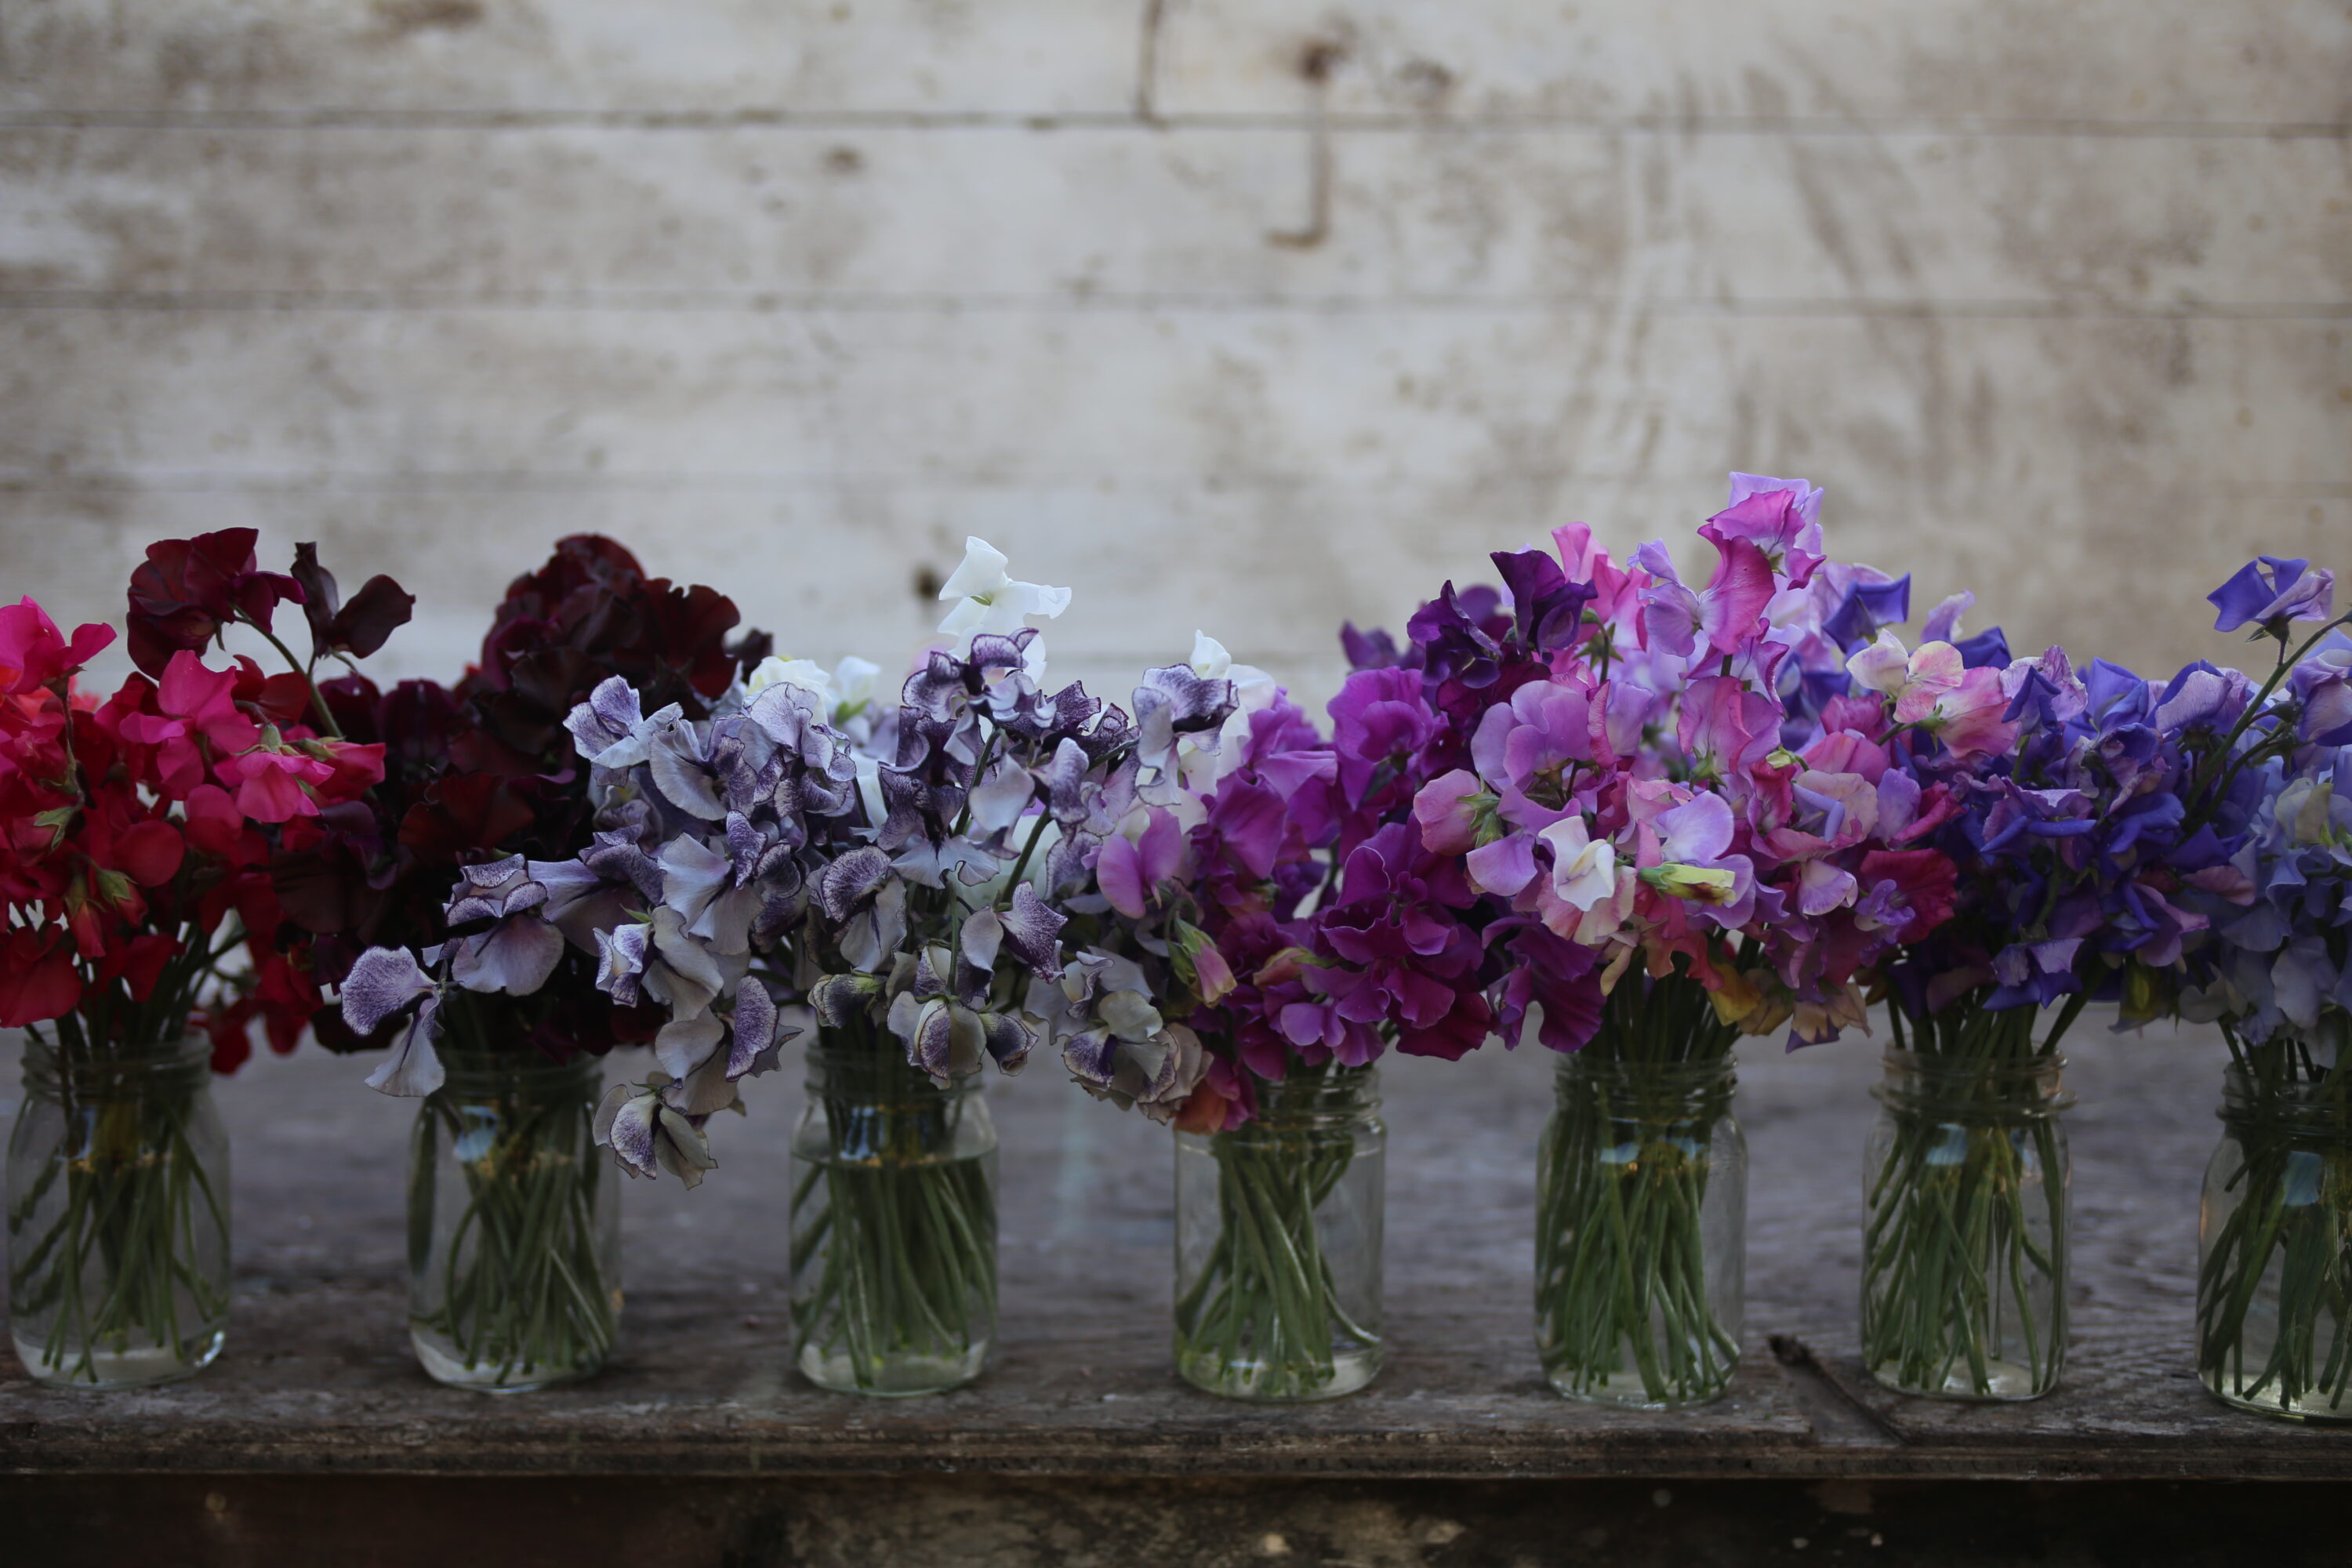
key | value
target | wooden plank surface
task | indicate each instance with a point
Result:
(318, 1377)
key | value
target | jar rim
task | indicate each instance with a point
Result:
(527, 1065)
(1616, 1070)
(1935, 1064)
(2293, 1107)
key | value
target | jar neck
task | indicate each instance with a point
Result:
(183, 1066)
(2302, 1108)
(1646, 1090)
(524, 1075)
(1327, 1095)
(870, 1068)
(2000, 1087)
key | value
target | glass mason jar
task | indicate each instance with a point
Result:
(118, 1217)
(893, 1223)
(2274, 1251)
(1640, 1233)
(514, 1225)
(1964, 1241)
(1278, 1242)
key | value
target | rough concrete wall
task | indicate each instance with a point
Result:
(1246, 315)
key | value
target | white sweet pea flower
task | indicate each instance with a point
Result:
(853, 686)
(1583, 868)
(806, 674)
(990, 601)
(1202, 760)
(1884, 666)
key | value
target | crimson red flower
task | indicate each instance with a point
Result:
(37, 977)
(32, 653)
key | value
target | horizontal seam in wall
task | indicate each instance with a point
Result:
(1302, 121)
(1078, 302)
(182, 481)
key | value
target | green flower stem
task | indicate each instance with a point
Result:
(1956, 1283)
(2282, 1258)
(520, 1291)
(1264, 1316)
(137, 1209)
(1624, 1307)
(894, 1227)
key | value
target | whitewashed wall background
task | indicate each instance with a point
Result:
(1250, 314)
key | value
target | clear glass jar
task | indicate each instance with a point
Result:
(1278, 1242)
(2274, 1250)
(893, 1222)
(514, 1225)
(1964, 1241)
(1640, 1233)
(118, 1217)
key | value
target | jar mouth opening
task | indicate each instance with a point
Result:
(49, 1065)
(2289, 1106)
(1616, 1070)
(526, 1063)
(1935, 1064)
(1974, 1089)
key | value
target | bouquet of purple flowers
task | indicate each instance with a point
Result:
(900, 875)
(2274, 970)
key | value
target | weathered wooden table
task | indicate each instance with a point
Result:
(316, 1433)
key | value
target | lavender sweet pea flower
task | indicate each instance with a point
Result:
(610, 728)
(647, 1136)
(522, 948)
(385, 982)
(2272, 589)
(2322, 686)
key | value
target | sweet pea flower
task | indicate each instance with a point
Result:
(2269, 590)
(989, 600)
(194, 704)
(1583, 868)
(275, 785)
(33, 653)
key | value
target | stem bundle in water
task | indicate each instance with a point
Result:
(2274, 1280)
(894, 1223)
(1641, 1207)
(1964, 1245)
(1279, 1240)
(118, 1218)
(514, 1279)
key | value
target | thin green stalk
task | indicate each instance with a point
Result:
(894, 1225)
(1964, 1240)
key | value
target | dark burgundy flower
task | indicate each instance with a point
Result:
(359, 627)
(190, 588)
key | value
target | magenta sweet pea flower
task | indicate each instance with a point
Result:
(1129, 872)
(34, 654)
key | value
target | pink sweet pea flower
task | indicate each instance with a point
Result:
(1447, 808)
(275, 786)
(194, 703)
(1780, 518)
(1731, 611)
(34, 655)
(1724, 728)
(1962, 707)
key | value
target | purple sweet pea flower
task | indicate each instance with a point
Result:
(2322, 686)
(2271, 588)
(1129, 872)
